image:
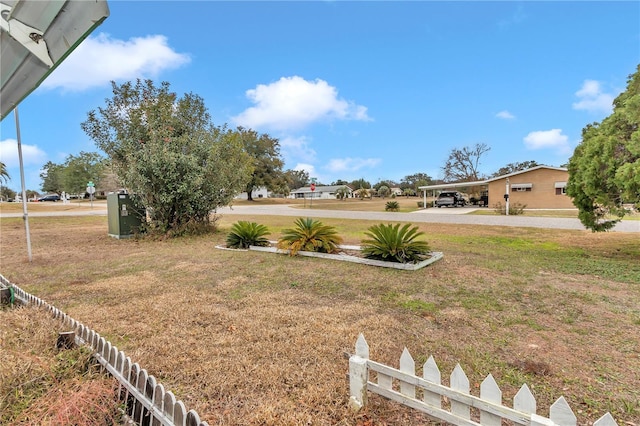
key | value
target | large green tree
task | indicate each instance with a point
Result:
(415, 180)
(515, 167)
(52, 176)
(79, 170)
(604, 170)
(166, 150)
(360, 183)
(267, 164)
(7, 193)
(387, 183)
(296, 178)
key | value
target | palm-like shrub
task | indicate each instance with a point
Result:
(394, 244)
(244, 234)
(310, 235)
(384, 191)
(342, 193)
(392, 206)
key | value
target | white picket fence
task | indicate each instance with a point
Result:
(145, 400)
(426, 394)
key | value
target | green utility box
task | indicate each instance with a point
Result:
(125, 218)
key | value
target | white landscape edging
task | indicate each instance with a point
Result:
(435, 256)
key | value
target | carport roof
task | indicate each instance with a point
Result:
(454, 185)
(36, 37)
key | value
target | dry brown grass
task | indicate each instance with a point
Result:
(250, 338)
(407, 204)
(74, 205)
(40, 385)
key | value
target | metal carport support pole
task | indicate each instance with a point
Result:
(25, 215)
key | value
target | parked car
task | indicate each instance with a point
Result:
(450, 198)
(53, 197)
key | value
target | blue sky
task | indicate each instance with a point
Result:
(378, 90)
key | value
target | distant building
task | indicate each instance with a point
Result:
(260, 192)
(396, 191)
(540, 187)
(321, 192)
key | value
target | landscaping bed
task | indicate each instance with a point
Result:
(352, 254)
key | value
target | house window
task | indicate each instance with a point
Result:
(521, 187)
(561, 188)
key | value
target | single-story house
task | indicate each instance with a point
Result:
(396, 191)
(260, 192)
(540, 187)
(321, 192)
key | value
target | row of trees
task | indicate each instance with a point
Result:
(181, 166)
(73, 175)
(166, 150)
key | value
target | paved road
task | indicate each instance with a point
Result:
(420, 216)
(428, 216)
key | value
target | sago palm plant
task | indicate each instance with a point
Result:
(244, 234)
(392, 206)
(310, 235)
(394, 244)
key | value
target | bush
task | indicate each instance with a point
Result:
(394, 244)
(310, 235)
(244, 234)
(514, 208)
(392, 206)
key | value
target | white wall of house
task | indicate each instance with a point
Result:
(320, 193)
(260, 192)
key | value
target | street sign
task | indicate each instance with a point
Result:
(91, 190)
(313, 187)
(91, 184)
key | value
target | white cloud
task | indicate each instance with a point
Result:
(31, 154)
(505, 115)
(100, 59)
(293, 102)
(592, 99)
(309, 168)
(351, 164)
(543, 139)
(298, 148)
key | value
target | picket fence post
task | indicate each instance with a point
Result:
(358, 375)
(431, 373)
(489, 391)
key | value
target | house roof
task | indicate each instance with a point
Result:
(328, 188)
(562, 169)
(487, 181)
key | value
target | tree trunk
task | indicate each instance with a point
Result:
(249, 191)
